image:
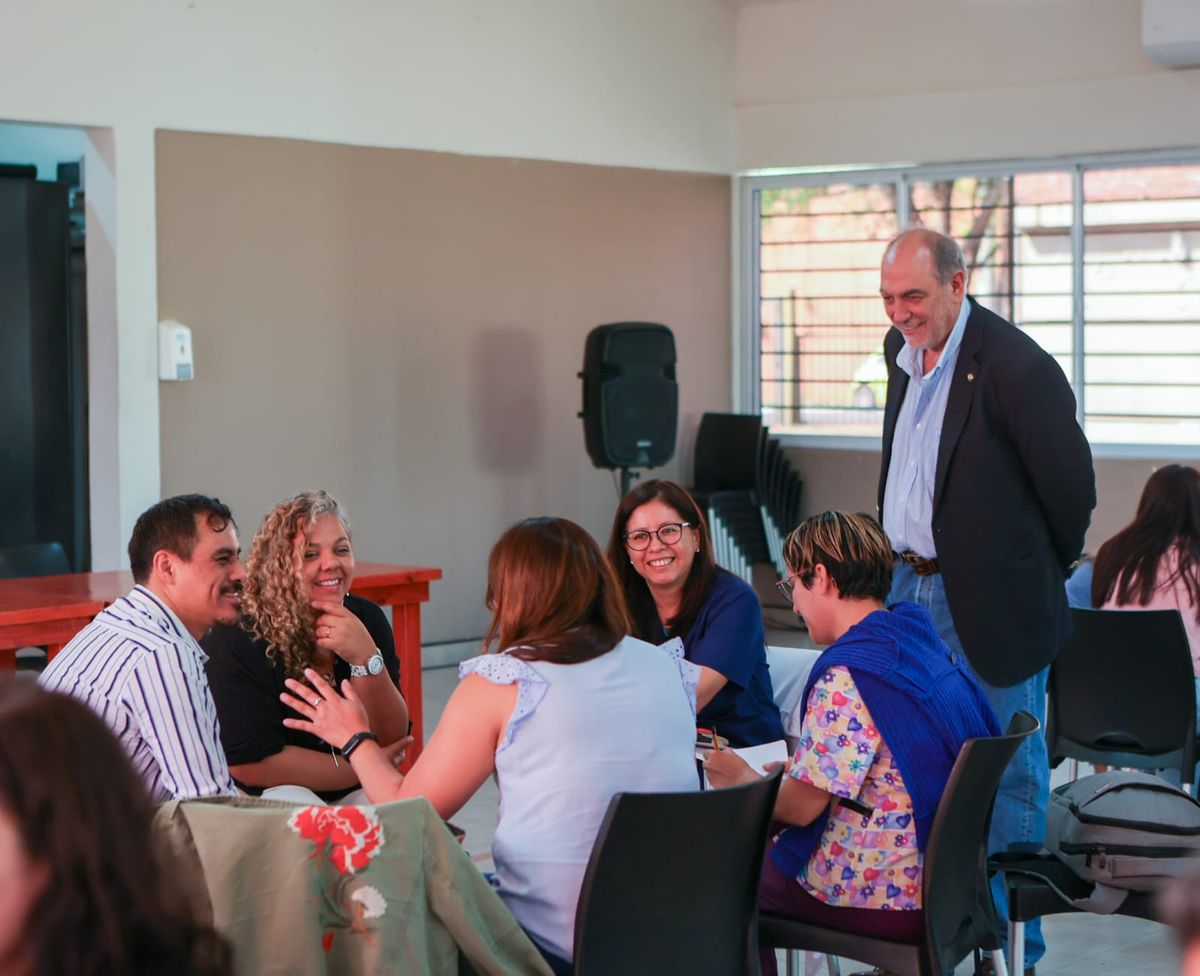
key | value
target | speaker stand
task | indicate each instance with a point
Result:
(628, 476)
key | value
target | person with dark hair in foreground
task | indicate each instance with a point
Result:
(662, 555)
(82, 880)
(570, 712)
(138, 664)
(887, 708)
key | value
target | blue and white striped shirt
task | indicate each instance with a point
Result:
(908, 493)
(140, 670)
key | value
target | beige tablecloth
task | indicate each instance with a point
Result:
(306, 891)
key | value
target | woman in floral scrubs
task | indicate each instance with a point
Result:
(887, 708)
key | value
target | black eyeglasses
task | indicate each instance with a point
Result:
(787, 585)
(668, 534)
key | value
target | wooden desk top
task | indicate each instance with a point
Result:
(75, 589)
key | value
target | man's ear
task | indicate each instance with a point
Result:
(163, 565)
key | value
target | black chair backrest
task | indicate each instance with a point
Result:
(672, 883)
(36, 559)
(728, 447)
(1122, 684)
(958, 903)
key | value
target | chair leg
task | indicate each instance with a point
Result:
(1016, 947)
(792, 957)
(998, 966)
(1074, 770)
(832, 965)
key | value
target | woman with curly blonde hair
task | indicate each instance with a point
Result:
(298, 613)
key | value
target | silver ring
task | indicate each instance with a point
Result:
(317, 701)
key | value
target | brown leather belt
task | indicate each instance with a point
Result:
(921, 566)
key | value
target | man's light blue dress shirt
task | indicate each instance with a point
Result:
(908, 495)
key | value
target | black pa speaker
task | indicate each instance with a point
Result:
(630, 397)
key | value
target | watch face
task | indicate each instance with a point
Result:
(375, 663)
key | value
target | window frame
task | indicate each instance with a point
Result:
(746, 360)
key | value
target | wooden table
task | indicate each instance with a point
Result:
(50, 610)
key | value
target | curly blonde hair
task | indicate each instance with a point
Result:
(275, 600)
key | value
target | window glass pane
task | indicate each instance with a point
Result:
(1142, 304)
(821, 322)
(1015, 232)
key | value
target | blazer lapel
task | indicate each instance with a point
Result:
(896, 388)
(958, 403)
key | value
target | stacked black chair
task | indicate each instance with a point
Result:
(751, 493)
(1121, 692)
(672, 883)
(959, 915)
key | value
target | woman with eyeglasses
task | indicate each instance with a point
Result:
(569, 712)
(661, 553)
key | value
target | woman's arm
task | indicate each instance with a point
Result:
(309, 767)
(798, 803)
(293, 764)
(458, 758)
(709, 684)
(726, 642)
(342, 632)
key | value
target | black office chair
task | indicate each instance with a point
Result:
(36, 559)
(672, 883)
(1121, 692)
(727, 453)
(959, 915)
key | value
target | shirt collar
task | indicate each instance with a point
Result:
(909, 358)
(157, 610)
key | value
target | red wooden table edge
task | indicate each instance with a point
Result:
(43, 614)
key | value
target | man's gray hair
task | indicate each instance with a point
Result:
(947, 255)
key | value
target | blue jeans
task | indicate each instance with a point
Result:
(1020, 812)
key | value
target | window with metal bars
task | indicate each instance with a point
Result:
(1098, 260)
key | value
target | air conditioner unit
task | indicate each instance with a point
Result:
(1171, 32)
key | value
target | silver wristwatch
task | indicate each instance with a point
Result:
(373, 666)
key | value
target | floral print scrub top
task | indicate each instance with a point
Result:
(862, 861)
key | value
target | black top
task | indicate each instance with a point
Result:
(246, 686)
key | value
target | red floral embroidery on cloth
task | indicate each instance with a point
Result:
(353, 835)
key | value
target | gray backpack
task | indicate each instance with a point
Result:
(1123, 831)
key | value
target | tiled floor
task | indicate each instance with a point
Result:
(1077, 945)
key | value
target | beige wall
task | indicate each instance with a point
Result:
(850, 479)
(404, 329)
(826, 82)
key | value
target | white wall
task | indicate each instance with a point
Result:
(619, 82)
(828, 82)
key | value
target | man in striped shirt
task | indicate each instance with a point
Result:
(138, 664)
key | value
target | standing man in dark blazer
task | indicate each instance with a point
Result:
(986, 491)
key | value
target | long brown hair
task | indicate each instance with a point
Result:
(700, 579)
(552, 595)
(109, 905)
(1168, 517)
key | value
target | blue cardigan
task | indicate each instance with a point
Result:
(922, 698)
